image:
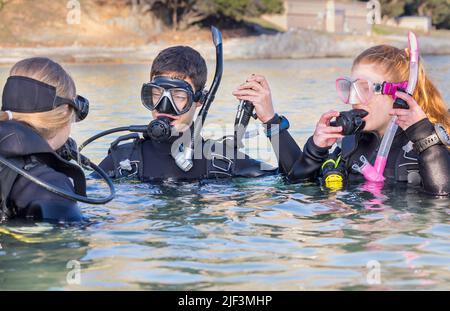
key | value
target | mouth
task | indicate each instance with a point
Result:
(172, 117)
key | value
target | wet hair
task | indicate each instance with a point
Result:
(182, 62)
(43, 69)
(394, 63)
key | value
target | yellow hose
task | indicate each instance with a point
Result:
(19, 237)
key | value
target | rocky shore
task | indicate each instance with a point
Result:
(293, 44)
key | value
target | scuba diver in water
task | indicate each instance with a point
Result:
(171, 146)
(37, 179)
(419, 146)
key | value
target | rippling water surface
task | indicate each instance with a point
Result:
(238, 234)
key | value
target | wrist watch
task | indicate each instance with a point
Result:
(440, 137)
(275, 129)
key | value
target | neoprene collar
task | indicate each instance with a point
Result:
(19, 140)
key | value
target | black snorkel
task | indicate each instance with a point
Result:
(184, 160)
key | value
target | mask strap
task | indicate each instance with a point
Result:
(390, 88)
(200, 96)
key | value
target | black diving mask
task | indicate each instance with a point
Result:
(169, 96)
(27, 95)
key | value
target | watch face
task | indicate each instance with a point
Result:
(443, 135)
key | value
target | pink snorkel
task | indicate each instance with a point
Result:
(375, 173)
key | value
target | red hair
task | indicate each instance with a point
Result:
(395, 64)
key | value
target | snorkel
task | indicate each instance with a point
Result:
(375, 173)
(184, 159)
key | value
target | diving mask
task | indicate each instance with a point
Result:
(169, 96)
(27, 95)
(360, 90)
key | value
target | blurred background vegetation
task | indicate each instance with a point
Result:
(438, 10)
(126, 23)
(180, 14)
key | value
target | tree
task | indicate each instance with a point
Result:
(438, 10)
(3, 3)
(238, 9)
(183, 13)
(394, 8)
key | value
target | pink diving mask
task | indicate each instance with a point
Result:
(360, 90)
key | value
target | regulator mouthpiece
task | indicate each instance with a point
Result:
(160, 129)
(351, 121)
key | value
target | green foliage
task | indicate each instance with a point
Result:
(183, 13)
(2, 3)
(393, 8)
(238, 9)
(438, 10)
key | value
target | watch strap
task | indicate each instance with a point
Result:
(425, 143)
(274, 129)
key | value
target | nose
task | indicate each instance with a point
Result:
(354, 98)
(166, 106)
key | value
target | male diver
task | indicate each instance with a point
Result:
(171, 146)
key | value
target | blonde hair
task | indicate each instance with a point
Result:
(394, 63)
(48, 123)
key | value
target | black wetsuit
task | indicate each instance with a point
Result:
(22, 198)
(148, 160)
(430, 170)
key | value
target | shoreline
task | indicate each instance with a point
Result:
(290, 45)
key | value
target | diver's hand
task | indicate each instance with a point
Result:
(408, 117)
(257, 91)
(325, 135)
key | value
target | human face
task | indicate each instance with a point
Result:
(61, 137)
(377, 106)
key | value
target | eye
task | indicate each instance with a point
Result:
(362, 85)
(180, 98)
(179, 93)
(156, 92)
(344, 84)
